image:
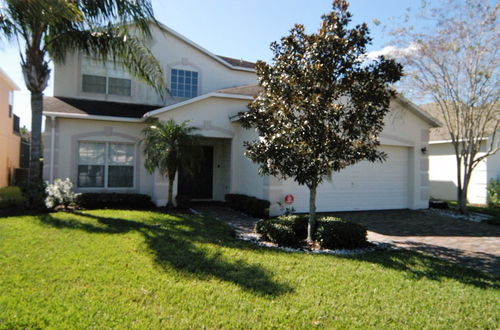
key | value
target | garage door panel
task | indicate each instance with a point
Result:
(364, 186)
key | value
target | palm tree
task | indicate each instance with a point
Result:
(169, 146)
(47, 30)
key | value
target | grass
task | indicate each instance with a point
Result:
(493, 211)
(138, 269)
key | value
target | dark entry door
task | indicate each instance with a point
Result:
(198, 184)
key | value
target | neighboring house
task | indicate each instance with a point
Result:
(94, 123)
(443, 169)
(10, 138)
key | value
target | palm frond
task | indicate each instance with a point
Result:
(111, 44)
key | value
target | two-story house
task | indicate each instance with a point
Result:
(10, 139)
(94, 122)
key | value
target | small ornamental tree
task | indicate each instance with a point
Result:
(321, 105)
(169, 146)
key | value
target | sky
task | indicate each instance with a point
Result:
(236, 28)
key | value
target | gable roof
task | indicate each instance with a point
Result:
(238, 62)
(254, 90)
(249, 90)
(83, 107)
(442, 134)
(229, 62)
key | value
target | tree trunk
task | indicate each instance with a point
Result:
(311, 228)
(35, 174)
(461, 195)
(170, 203)
(462, 205)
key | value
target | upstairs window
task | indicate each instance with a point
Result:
(105, 78)
(106, 85)
(184, 83)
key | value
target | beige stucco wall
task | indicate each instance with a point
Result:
(68, 132)
(443, 174)
(171, 52)
(10, 142)
(233, 171)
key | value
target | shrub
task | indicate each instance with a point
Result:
(494, 193)
(248, 204)
(335, 233)
(60, 193)
(332, 233)
(277, 231)
(114, 200)
(11, 197)
(298, 223)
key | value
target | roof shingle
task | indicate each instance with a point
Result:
(237, 62)
(96, 108)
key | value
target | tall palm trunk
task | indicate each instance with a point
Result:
(36, 74)
(311, 227)
(36, 137)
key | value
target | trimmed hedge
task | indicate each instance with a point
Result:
(114, 201)
(11, 197)
(335, 233)
(331, 233)
(278, 232)
(248, 204)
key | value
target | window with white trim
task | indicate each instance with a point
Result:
(105, 78)
(106, 165)
(183, 83)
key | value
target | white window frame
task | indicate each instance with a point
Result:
(106, 166)
(106, 92)
(185, 70)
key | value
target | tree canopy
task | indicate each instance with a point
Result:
(321, 105)
(454, 63)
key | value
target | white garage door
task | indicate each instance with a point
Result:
(364, 186)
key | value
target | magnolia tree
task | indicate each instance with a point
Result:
(454, 62)
(322, 106)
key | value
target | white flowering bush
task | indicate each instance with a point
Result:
(60, 193)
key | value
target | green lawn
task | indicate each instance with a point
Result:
(136, 269)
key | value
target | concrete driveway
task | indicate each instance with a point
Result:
(471, 244)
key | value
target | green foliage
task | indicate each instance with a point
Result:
(249, 204)
(332, 232)
(321, 106)
(335, 233)
(11, 197)
(494, 193)
(169, 146)
(114, 200)
(298, 223)
(277, 231)
(152, 270)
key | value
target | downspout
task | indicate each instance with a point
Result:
(52, 146)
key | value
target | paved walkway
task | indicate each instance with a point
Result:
(471, 244)
(475, 245)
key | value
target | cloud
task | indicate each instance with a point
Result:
(392, 52)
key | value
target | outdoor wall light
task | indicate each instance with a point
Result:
(424, 150)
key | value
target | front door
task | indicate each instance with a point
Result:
(198, 185)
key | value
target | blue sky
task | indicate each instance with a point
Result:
(236, 28)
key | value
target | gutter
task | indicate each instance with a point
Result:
(93, 117)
